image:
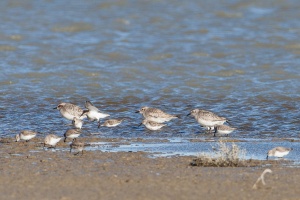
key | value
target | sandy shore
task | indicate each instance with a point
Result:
(29, 172)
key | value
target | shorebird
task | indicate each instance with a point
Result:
(51, 140)
(72, 133)
(77, 146)
(207, 119)
(112, 122)
(77, 123)
(93, 113)
(279, 152)
(25, 135)
(69, 111)
(153, 126)
(155, 115)
(223, 130)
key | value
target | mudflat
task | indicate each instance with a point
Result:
(29, 172)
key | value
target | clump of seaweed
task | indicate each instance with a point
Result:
(224, 155)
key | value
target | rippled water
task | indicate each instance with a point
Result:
(239, 59)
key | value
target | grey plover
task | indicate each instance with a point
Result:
(72, 134)
(155, 115)
(223, 130)
(51, 140)
(112, 122)
(279, 152)
(77, 123)
(77, 147)
(25, 135)
(153, 126)
(69, 111)
(93, 113)
(207, 119)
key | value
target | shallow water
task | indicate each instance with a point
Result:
(255, 149)
(237, 58)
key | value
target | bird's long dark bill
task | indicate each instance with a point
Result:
(137, 111)
(55, 108)
(140, 124)
(188, 114)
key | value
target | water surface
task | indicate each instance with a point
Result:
(237, 58)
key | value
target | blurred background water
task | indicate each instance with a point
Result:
(238, 58)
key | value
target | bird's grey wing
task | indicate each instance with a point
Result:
(90, 106)
(156, 113)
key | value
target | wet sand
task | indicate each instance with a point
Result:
(29, 172)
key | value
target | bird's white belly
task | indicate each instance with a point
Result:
(153, 128)
(280, 154)
(67, 115)
(224, 131)
(74, 136)
(209, 123)
(54, 141)
(27, 137)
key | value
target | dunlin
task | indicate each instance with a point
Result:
(152, 125)
(223, 130)
(156, 115)
(69, 111)
(207, 119)
(93, 113)
(279, 152)
(112, 122)
(25, 135)
(77, 123)
(77, 147)
(72, 133)
(51, 140)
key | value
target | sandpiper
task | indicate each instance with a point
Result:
(223, 130)
(112, 122)
(155, 114)
(72, 133)
(153, 126)
(77, 146)
(25, 135)
(207, 119)
(93, 113)
(51, 140)
(77, 123)
(279, 152)
(69, 111)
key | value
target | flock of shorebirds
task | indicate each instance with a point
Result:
(154, 119)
